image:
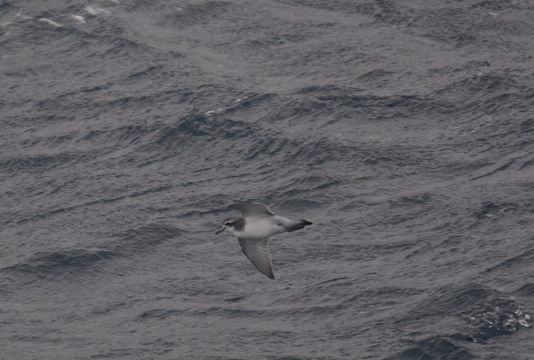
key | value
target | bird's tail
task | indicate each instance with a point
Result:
(298, 225)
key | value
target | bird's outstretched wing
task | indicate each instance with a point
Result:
(257, 252)
(251, 209)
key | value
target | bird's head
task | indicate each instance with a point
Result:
(231, 223)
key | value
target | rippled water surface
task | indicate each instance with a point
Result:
(403, 129)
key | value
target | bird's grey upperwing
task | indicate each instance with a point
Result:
(257, 252)
(251, 209)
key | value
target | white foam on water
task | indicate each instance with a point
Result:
(216, 111)
(51, 22)
(22, 16)
(96, 11)
(222, 109)
(78, 18)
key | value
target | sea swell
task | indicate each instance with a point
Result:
(403, 131)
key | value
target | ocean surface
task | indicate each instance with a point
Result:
(403, 129)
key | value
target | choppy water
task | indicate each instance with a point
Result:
(403, 129)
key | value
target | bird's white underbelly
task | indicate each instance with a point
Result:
(259, 228)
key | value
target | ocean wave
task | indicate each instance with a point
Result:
(139, 240)
(38, 162)
(159, 314)
(525, 290)
(434, 348)
(61, 261)
(524, 259)
(195, 14)
(69, 263)
(403, 130)
(485, 312)
(200, 126)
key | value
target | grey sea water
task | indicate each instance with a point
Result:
(403, 129)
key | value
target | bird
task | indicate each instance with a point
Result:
(254, 227)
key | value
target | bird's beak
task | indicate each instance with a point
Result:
(221, 229)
